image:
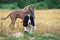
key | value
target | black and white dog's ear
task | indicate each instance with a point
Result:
(25, 21)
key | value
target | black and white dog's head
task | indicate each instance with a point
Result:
(28, 20)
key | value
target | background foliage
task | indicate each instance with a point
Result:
(37, 4)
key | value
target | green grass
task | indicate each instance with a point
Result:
(8, 6)
(28, 36)
(9, 39)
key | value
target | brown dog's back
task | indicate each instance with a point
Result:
(16, 14)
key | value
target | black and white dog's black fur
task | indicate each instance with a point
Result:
(28, 23)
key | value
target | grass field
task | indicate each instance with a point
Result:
(47, 22)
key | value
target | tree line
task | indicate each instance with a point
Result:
(37, 4)
(8, 1)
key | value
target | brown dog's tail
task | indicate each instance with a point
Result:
(5, 17)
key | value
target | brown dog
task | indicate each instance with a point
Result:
(18, 14)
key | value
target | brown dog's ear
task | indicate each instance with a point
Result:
(30, 9)
(25, 9)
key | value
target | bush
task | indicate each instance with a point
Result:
(23, 3)
(58, 7)
(8, 6)
(40, 5)
(0, 6)
(52, 3)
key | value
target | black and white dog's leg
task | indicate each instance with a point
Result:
(31, 29)
(25, 28)
(34, 27)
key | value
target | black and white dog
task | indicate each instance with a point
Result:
(29, 24)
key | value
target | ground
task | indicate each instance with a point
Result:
(47, 22)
